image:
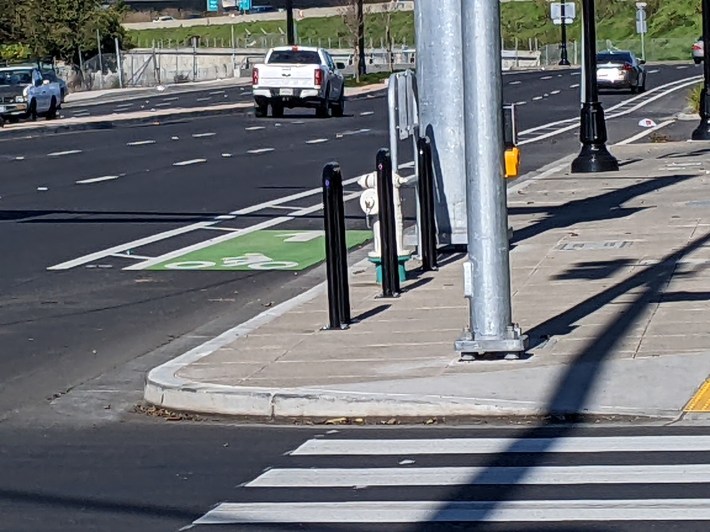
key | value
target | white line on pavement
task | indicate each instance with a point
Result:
(556, 92)
(140, 143)
(521, 103)
(254, 128)
(575, 74)
(202, 135)
(367, 113)
(546, 77)
(536, 98)
(516, 82)
(164, 104)
(213, 93)
(92, 257)
(206, 98)
(171, 99)
(681, 67)
(120, 105)
(645, 133)
(316, 141)
(576, 444)
(522, 511)
(574, 86)
(62, 153)
(224, 238)
(189, 162)
(97, 179)
(130, 256)
(260, 151)
(654, 71)
(481, 475)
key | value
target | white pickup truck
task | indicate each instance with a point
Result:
(299, 76)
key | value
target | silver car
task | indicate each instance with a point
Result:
(621, 69)
(698, 50)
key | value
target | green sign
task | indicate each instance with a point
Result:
(262, 251)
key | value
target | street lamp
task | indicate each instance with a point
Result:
(702, 132)
(594, 156)
(564, 61)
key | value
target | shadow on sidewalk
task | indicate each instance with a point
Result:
(603, 207)
(575, 385)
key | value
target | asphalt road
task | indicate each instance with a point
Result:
(79, 330)
(166, 475)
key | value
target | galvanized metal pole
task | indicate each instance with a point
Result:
(119, 63)
(440, 88)
(487, 271)
(101, 61)
(702, 132)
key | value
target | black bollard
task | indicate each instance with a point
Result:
(335, 248)
(426, 206)
(388, 230)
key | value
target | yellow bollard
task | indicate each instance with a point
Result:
(512, 162)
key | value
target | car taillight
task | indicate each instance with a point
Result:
(697, 47)
(627, 67)
(318, 77)
(255, 76)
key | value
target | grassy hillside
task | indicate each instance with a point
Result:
(526, 21)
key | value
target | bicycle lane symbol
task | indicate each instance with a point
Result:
(250, 261)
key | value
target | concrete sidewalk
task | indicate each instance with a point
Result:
(610, 281)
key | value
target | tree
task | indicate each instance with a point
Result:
(61, 28)
(353, 16)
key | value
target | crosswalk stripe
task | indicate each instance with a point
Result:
(457, 476)
(459, 511)
(401, 447)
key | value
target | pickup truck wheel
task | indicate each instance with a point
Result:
(323, 111)
(52, 112)
(277, 111)
(339, 107)
(260, 111)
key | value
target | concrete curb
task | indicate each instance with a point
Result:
(111, 121)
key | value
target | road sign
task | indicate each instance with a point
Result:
(245, 5)
(212, 5)
(265, 250)
(556, 12)
(641, 27)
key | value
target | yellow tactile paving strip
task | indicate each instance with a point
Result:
(700, 402)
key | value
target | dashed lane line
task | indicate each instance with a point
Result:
(316, 141)
(202, 135)
(555, 92)
(516, 82)
(367, 113)
(190, 162)
(259, 151)
(254, 128)
(63, 153)
(97, 179)
(141, 143)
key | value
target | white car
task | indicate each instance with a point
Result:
(299, 76)
(24, 93)
(698, 50)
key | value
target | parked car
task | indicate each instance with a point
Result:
(698, 50)
(299, 76)
(24, 93)
(621, 69)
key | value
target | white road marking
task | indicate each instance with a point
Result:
(556, 92)
(226, 155)
(297, 122)
(20, 158)
(189, 162)
(254, 128)
(164, 104)
(216, 92)
(681, 67)
(335, 477)
(260, 150)
(536, 98)
(245, 231)
(42, 189)
(223, 229)
(62, 153)
(574, 86)
(140, 143)
(204, 99)
(459, 511)
(130, 256)
(202, 135)
(316, 141)
(575, 74)
(367, 113)
(81, 114)
(405, 447)
(120, 105)
(98, 255)
(97, 179)
(645, 133)
(174, 138)
(521, 103)
(546, 77)
(654, 71)
(516, 82)
(171, 99)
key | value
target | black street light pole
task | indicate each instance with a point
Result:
(290, 33)
(362, 69)
(702, 132)
(564, 61)
(594, 156)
